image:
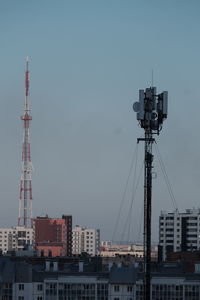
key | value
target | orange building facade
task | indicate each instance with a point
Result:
(53, 237)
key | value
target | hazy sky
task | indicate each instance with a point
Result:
(88, 59)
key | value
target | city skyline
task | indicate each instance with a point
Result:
(87, 62)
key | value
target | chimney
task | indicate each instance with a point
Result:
(47, 264)
(55, 266)
(80, 266)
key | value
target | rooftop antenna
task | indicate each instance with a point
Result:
(151, 112)
(152, 78)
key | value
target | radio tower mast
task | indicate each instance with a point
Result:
(25, 202)
(151, 112)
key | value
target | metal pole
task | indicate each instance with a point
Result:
(147, 213)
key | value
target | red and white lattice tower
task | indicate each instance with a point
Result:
(25, 202)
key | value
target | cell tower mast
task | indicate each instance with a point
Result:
(151, 112)
(25, 202)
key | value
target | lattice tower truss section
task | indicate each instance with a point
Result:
(25, 202)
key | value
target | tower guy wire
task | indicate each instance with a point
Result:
(124, 193)
(130, 211)
(166, 177)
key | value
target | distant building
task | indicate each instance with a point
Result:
(85, 240)
(111, 246)
(53, 237)
(105, 244)
(15, 238)
(109, 249)
(179, 232)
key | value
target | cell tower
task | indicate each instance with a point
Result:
(25, 202)
(151, 112)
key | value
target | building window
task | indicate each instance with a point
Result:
(116, 288)
(192, 235)
(192, 230)
(39, 298)
(192, 224)
(51, 289)
(129, 288)
(39, 287)
(170, 241)
(21, 298)
(21, 287)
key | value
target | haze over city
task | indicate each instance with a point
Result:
(88, 60)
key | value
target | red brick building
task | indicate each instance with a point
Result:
(53, 237)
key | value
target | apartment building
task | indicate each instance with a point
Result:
(60, 278)
(15, 238)
(85, 240)
(53, 236)
(39, 278)
(179, 231)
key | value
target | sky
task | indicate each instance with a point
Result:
(88, 60)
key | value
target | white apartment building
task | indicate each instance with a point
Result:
(85, 240)
(137, 250)
(15, 238)
(179, 231)
(106, 244)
